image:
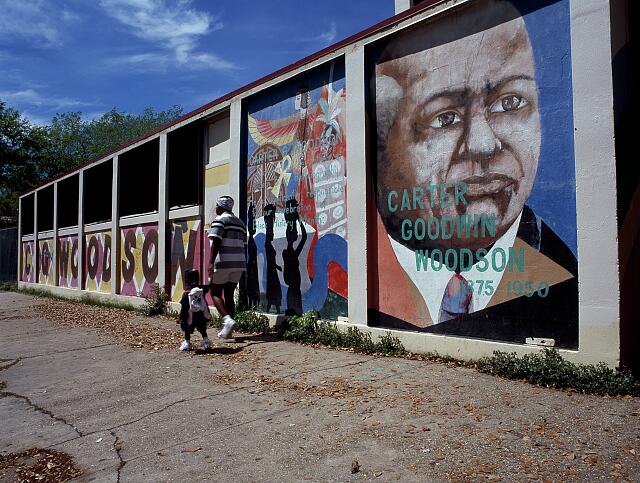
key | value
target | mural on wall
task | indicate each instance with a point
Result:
(28, 271)
(296, 195)
(138, 259)
(46, 262)
(186, 243)
(68, 261)
(473, 225)
(97, 262)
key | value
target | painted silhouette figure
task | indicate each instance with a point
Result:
(274, 291)
(253, 286)
(291, 256)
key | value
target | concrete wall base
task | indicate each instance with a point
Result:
(416, 342)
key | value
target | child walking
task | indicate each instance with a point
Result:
(194, 312)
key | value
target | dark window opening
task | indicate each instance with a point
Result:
(138, 187)
(26, 215)
(45, 209)
(185, 148)
(96, 192)
(68, 201)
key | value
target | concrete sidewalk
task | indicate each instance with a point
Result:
(267, 410)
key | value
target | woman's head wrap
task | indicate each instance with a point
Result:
(225, 202)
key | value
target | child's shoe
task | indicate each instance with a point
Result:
(186, 346)
(227, 327)
(206, 343)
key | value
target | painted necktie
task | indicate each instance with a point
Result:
(456, 300)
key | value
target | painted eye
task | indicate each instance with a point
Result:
(510, 102)
(445, 119)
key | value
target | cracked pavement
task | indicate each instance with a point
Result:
(267, 410)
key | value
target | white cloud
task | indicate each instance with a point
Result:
(70, 16)
(174, 27)
(93, 115)
(31, 97)
(36, 21)
(35, 119)
(149, 62)
(328, 36)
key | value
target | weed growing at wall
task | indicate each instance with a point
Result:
(309, 329)
(215, 322)
(548, 368)
(252, 322)
(8, 287)
(156, 301)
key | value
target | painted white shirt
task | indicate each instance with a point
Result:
(431, 284)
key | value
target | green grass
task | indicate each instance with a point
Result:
(86, 299)
(8, 287)
(548, 368)
(309, 329)
(246, 321)
(252, 322)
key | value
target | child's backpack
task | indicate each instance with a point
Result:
(197, 302)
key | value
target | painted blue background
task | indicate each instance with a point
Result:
(553, 197)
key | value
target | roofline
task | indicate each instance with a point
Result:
(284, 70)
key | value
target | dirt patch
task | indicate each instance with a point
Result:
(334, 387)
(124, 325)
(38, 465)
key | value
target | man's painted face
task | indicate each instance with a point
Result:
(468, 113)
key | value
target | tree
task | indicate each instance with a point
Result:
(116, 128)
(22, 158)
(32, 154)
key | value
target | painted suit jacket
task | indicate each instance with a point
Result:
(395, 302)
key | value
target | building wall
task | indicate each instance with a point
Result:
(46, 262)
(217, 179)
(491, 116)
(139, 259)
(68, 273)
(625, 55)
(186, 252)
(97, 262)
(28, 262)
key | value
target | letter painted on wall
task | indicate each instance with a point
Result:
(296, 195)
(186, 238)
(46, 262)
(473, 224)
(68, 261)
(97, 262)
(28, 270)
(138, 259)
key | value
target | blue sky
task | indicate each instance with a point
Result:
(91, 56)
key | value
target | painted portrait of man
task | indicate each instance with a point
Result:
(458, 149)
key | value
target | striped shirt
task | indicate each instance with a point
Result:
(232, 233)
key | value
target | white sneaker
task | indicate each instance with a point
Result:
(186, 346)
(206, 343)
(227, 328)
